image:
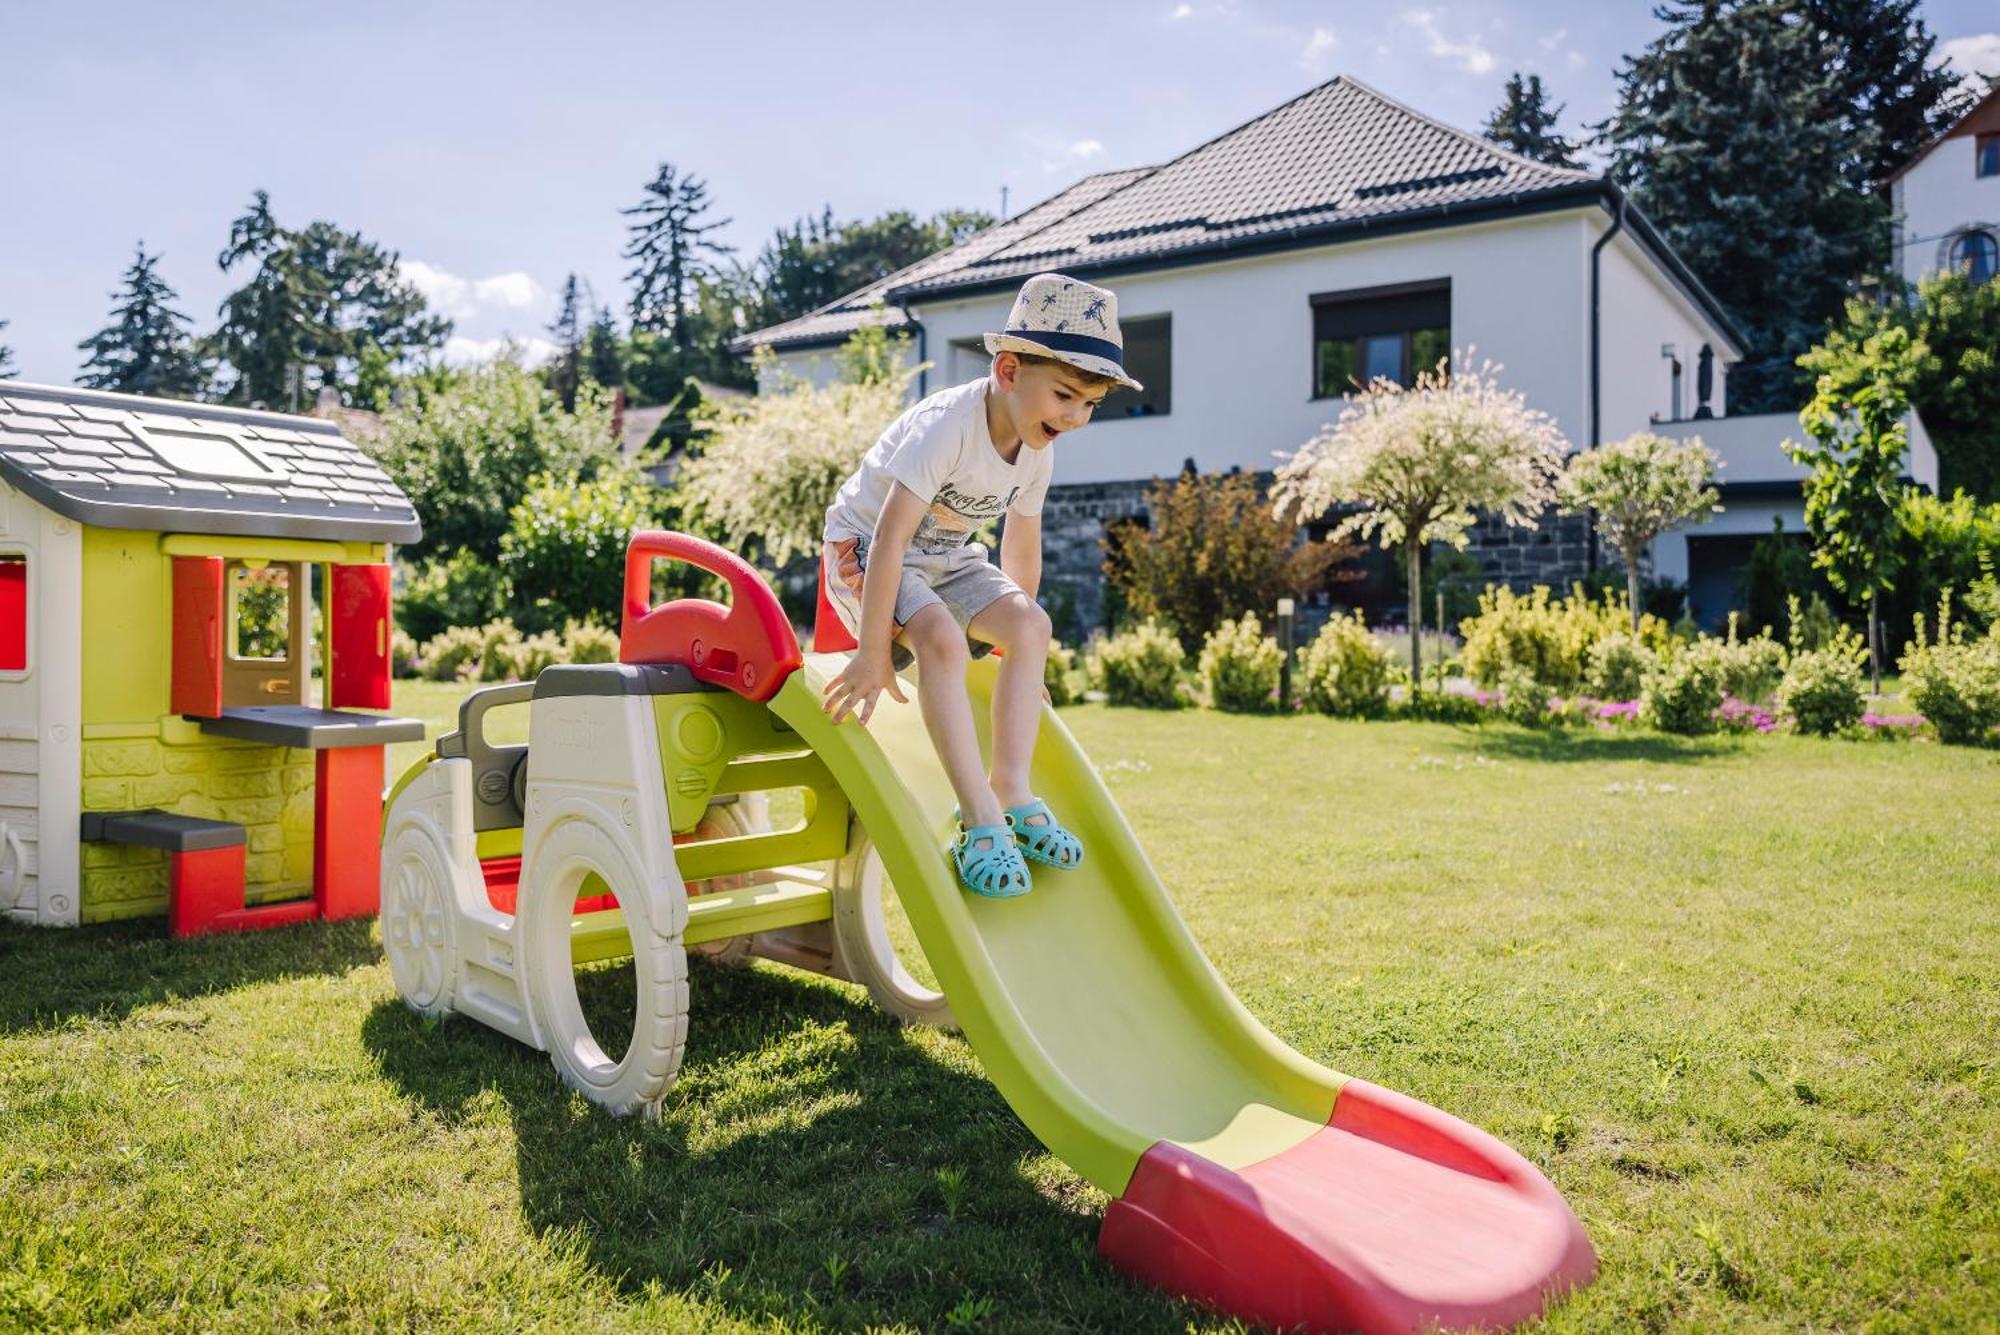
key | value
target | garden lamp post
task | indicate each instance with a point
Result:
(1285, 609)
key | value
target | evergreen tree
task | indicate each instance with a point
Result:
(817, 260)
(1731, 134)
(319, 300)
(671, 249)
(565, 369)
(6, 355)
(603, 351)
(1526, 123)
(1895, 96)
(146, 349)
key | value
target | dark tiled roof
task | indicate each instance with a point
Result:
(120, 461)
(1338, 156)
(833, 322)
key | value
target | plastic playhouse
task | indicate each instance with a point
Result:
(159, 749)
(1242, 1174)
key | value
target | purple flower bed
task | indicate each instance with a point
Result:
(1741, 716)
(1892, 725)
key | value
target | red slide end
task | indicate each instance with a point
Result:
(1394, 1217)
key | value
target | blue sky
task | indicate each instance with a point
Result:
(492, 144)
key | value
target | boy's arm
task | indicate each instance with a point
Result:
(870, 672)
(1021, 551)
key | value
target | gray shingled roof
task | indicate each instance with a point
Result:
(1339, 159)
(121, 461)
(833, 322)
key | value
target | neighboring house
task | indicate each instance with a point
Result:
(1947, 199)
(1338, 237)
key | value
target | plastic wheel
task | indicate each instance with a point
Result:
(861, 941)
(417, 921)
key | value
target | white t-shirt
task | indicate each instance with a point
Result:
(941, 450)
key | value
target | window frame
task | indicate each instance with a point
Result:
(1986, 155)
(1958, 260)
(1417, 288)
(1166, 390)
(27, 558)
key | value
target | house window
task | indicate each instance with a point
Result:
(1986, 156)
(1977, 255)
(260, 613)
(13, 612)
(1149, 360)
(1386, 333)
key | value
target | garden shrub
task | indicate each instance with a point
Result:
(457, 590)
(1822, 690)
(1617, 667)
(1550, 638)
(1141, 666)
(1752, 668)
(588, 642)
(1345, 671)
(1955, 681)
(448, 654)
(564, 550)
(1239, 667)
(1439, 707)
(1059, 674)
(1682, 692)
(1524, 700)
(497, 641)
(523, 659)
(403, 653)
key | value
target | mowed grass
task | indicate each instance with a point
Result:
(1737, 997)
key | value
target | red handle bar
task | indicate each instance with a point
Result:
(748, 646)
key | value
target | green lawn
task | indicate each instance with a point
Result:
(1737, 997)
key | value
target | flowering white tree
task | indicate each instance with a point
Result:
(1640, 486)
(1422, 462)
(770, 465)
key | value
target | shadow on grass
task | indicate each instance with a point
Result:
(107, 972)
(1569, 745)
(806, 1166)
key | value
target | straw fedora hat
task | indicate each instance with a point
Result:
(1069, 320)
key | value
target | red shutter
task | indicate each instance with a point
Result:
(198, 635)
(13, 613)
(359, 628)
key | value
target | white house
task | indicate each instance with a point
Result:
(1947, 199)
(1337, 237)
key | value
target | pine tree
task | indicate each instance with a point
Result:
(319, 301)
(816, 260)
(6, 355)
(671, 248)
(1731, 134)
(1526, 123)
(566, 367)
(1896, 96)
(146, 349)
(603, 351)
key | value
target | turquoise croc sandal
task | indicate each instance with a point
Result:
(1041, 838)
(988, 863)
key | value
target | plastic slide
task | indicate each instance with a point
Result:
(1243, 1175)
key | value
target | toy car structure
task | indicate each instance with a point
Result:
(1243, 1174)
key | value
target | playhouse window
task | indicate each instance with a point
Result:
(260, 613)
(13, 613)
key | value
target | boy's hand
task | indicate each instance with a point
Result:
(855, 689)
(847, 567)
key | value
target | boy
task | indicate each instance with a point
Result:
(906, 579)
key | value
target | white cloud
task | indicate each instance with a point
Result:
(1470, 54)
(1976, 55)
(1085, 149)
(462, 351)
(1318, 47)
(464, 298)
(1182, 11)
(1060, 157)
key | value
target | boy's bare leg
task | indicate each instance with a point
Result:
(1021, 628)
(941, 657)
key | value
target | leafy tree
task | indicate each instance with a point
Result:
(317, 302)
(1732, 135)
(1420, 463)
(146, 349)
(1526, 123)
(6, 355)
(671, 247)
(1778, 574)
(817, 260)
(565, 369)
(603, 351)
(872, 355)
(1640, 487)
(1858, 422)
(1213, 550)
(565, 545)
(1957, 387)
(463, 449)
(769, 465)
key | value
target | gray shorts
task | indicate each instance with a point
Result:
(962, 581)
